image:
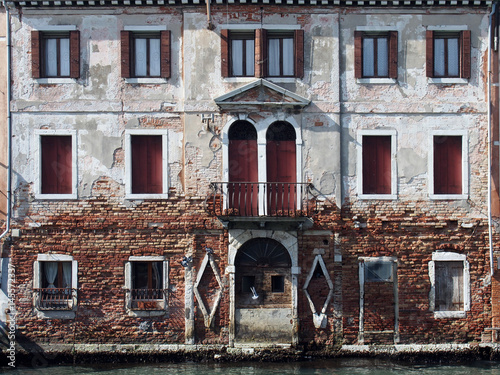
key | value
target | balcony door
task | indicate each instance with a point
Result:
(243, 172)
(281, 169)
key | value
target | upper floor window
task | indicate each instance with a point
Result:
(376, 54)
(55, 54)
(262, 53)
(448, 54)
(145, 54)
(242, 46)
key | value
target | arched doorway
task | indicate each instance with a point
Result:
(243, 170)
(263, 292)
(281, 168)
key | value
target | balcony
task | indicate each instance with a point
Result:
(55, 299)
(147, 299)
(261, 202)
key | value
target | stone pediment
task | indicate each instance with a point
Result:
(261, 93)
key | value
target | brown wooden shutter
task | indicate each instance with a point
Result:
(299, 53)
(376, 156)
(429, 53)
(260, 53)
(224, 52)
(358, 54)
(165, 51)
(35, 54)
(465, 37)
(393, 54)
(125, 53)
(74, 53)
(56, 164)
(447, 165)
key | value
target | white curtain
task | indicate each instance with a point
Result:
(67, 274)
(140, 57)
(453, 59)
(64, 63)
(250, 56)
(274, 57)
(154, 57)
(288, 57)
(368, 57)
(382, 57)
(51, 57)
(237, 56)
(439, 69)
(50, 273)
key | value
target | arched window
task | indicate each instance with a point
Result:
(243, 171)
(281, 168)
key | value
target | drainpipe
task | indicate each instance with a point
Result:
(490, 234)
(210, 25)
(9, 124)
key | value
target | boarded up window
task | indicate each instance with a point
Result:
(376, 156)
(447, 165)
(57, 164)
(147, 165)
(449, 285)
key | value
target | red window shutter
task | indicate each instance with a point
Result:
(376, 156)
(358, 54)
(35, 54)
(447, 165)
(429, 53)
(299, 53)
(125, 54)
(74, 53)
(165, 52)
(393, 54)
(260, 53)
(147, 166)
(465, 65)
(224, 47)
(57, 173)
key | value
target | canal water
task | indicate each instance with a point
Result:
(352, 366)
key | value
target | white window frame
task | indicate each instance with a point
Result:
(152, 29)
(465, 165)
(128, 285)
(443, 256)
(376, 80)
(447, 80)
(394, 173)
(128, 163)
(37, 147)
(45, 314)
(56, 80)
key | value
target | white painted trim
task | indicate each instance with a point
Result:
(458, 81)
(465, 165)
(147, 258)
(55, 81)
(443, 256)
(281, 27)
(37, 134)
(145, 28)
(128, 163)
(146, 81)
(282, 79)
(447, 27)
(245, 26)
(376, 81)
(57, 28)
(244, 80)
(394, 172)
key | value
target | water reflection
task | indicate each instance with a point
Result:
(353, 366)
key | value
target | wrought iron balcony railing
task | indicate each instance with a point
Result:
(55, 298)
(268, 199)
(147, 299)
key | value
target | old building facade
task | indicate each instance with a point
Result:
(253, 173)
